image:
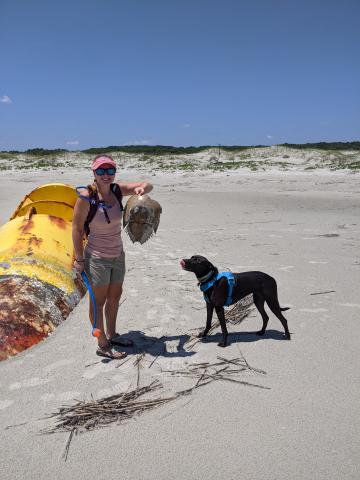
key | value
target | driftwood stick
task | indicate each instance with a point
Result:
(67, 446)
(122, 363)
(323, 293)
(228, 379)
(200, 379)
(138, 374)
(15, 425)
(151, 364)
(248, 366)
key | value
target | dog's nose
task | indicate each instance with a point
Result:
(182, 263)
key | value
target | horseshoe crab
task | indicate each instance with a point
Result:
(141, 218)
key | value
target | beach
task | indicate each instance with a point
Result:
(300, 227)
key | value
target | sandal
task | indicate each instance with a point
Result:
(109, 352)
(121, 342)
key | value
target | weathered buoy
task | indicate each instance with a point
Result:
(37, 286)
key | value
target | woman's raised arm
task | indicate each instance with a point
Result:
(135, 188)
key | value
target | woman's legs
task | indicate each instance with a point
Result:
(104, 349)
(106, 276)
(112, 307)
(100, 294)
(108, 296)
(114, 294)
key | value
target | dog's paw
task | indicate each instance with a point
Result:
(260, 333)
(222, 344)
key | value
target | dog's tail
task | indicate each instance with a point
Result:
(285, 308)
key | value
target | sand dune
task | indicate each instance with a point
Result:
(264, 159)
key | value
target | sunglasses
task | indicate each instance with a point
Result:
(108, 171)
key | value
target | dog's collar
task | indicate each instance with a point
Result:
(206, 277)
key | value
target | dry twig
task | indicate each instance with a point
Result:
(138, 364)
(234, 315)
(322, 293)
(225, 369)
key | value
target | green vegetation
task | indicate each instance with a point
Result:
(45, 165)
(221, 166)
(155, 150)
(8, 156)
(187, 166)
(324, 145)
(237, 148)
(167, 149)
(340, 163)
(42, 152)
(354, 165)
(146, 149)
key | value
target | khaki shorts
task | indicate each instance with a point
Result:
(104, 271)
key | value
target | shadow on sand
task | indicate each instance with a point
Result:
(157, 346)
(245, 337)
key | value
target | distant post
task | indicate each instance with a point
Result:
(219, 154)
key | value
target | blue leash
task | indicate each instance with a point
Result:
(95, 331)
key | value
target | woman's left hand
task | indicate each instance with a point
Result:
(135, 188)
(139, 190)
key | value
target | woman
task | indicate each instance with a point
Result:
(103, 258)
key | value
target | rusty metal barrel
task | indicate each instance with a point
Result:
(37, 285)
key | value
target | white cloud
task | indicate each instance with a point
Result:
(186, 125)
(5, 99)
(269, 136)
(72, 142)
(137, 142)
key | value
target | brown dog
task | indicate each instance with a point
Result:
(216, 291)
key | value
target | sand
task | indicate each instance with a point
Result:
(301, 228)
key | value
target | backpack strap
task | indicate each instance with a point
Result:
(115, 188)
(95, 203)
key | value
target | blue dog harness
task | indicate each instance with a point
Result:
(231, 282)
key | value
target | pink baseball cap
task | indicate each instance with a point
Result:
(103, 160)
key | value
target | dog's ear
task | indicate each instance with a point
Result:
(201, 259)
(209, 265)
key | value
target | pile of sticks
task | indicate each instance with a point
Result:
(86, 416)
(224, 369)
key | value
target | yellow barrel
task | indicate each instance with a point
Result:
(37, 288)
(55, 199)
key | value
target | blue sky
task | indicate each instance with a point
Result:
(82, 73)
